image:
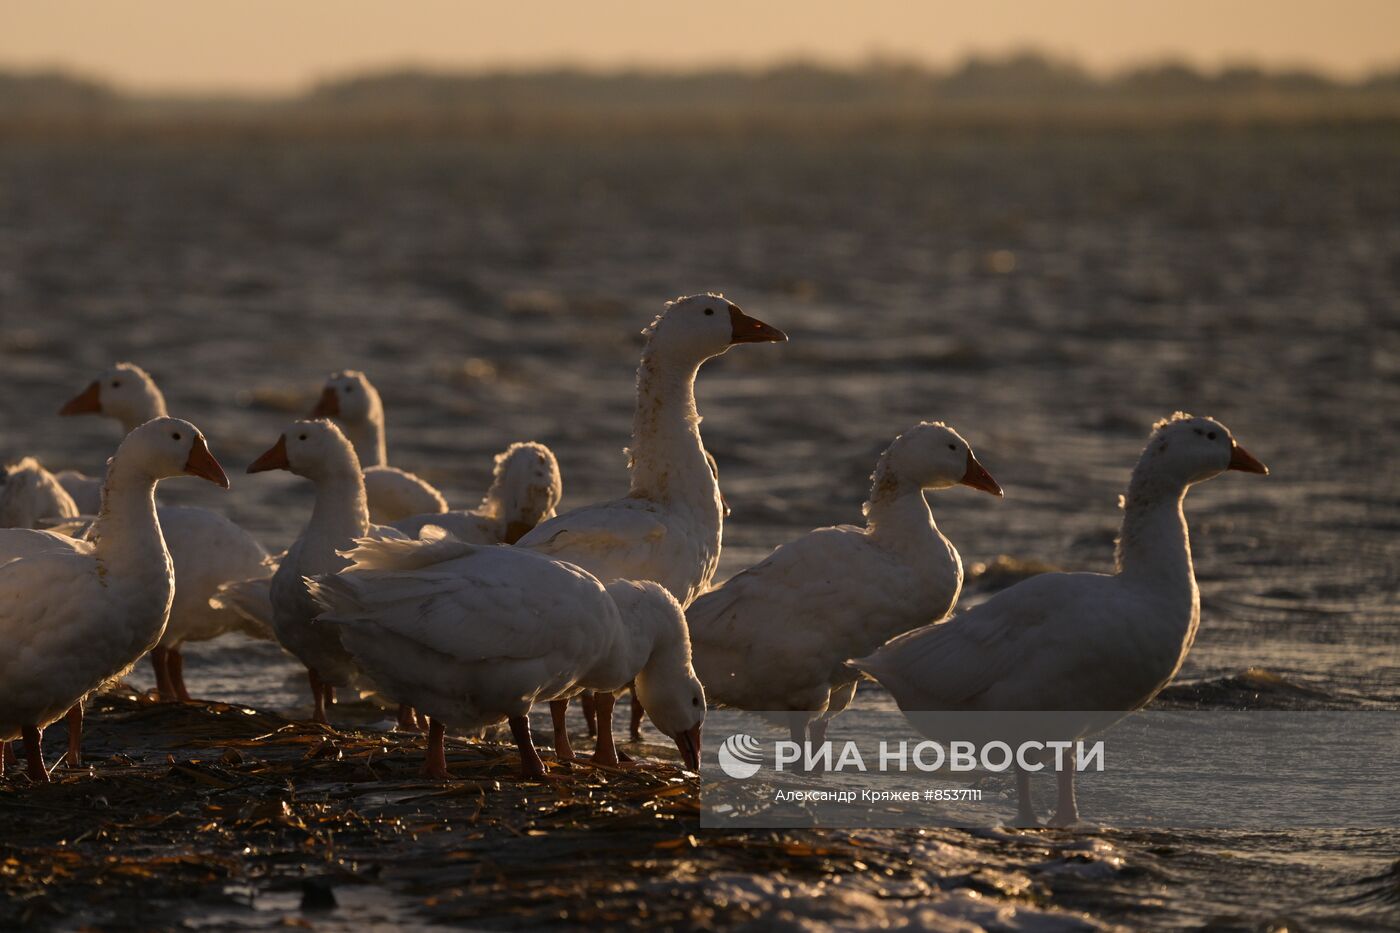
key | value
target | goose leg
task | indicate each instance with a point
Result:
(435, 759)
(175, 669)
(74, 758)
(1025, 804)
(606, 751)
(797, 734)
(1066, 807)
(7, 756)
(637, 713)
(160, 663)
(408, 719)
(318, 698)
(530, 764)
(589, 704)
(34, 754)
(559, 712)
(818, 731)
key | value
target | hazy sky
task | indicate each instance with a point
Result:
(280, 45)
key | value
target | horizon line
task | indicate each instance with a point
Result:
(850, 64)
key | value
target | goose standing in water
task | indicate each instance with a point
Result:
(474, 635)
(208, 549)
(393, 494)
(525, 490)
(318, 451)
(778, 635)
(75, 614)
(1079, 641)
(668, 527)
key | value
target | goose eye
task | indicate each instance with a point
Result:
(175, 435)
(709, 310)
(302, 438)
(694, 701)
(1211, 435)
(116, 383)
(952, 446)
(349, 388)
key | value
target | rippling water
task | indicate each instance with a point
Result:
(1049, 295)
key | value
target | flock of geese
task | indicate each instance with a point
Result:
(469, 618)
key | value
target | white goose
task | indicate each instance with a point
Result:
(318, 451)
(30, 495)
(208, 549)
(778, 635)
(1079, 641)
(474, 635)
(75, 614)
(668, 527)
(525, 490)
(350, 398)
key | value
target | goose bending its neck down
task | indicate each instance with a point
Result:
(78, 613)
(473, 635)
(525, 490)
(208, 549)
(318, 451)
(30, 495)
(1065, 642)
(393, 494)
(778, 635)
(668, 527)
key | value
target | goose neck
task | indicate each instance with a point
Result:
(126, 536)
(342, 509)
(896, 511)
(367, 437)
(667, 455)
(152, 406)
(1154, 545)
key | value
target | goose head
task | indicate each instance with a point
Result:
(349, 396)
(930, 455)
(703, 326)
(1184, 450)
(125, 392)
(311, 449)
(667, 686)
(526, 487)
(166, 447)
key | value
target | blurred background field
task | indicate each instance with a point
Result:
(1049, 289)
(1048, 257)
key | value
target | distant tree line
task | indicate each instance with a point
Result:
(1023, 85)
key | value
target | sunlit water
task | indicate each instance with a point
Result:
(1050, 297)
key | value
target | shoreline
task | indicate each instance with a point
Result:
(247, 819)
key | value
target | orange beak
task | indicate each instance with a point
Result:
(88, 402)
(328, 405)
(201, 463)
(274, 459)
(977, 477)
(689, 744)
(1241, 459)
(751, 330)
